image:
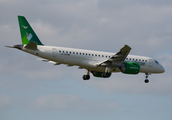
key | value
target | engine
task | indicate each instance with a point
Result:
(101, 74)
(130, 68)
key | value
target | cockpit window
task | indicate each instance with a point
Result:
(156, 61)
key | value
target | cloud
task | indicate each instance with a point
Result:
(92, 24)
(166, 61)
(133, 84)
(45, 31)
(72, 102)
(5, 100)
(87, 24)
(8, 1)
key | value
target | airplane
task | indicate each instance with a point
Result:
(100, 64)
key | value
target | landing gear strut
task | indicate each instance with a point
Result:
(146, 80)
(87, 76)
(106, 74)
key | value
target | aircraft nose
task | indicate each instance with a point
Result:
(161, 69)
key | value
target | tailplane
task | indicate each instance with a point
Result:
(27, 33)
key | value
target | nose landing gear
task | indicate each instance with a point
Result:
(146, 80)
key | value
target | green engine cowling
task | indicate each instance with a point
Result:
(99, 74)
(130, 68)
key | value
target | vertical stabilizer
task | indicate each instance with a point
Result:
(27, 33)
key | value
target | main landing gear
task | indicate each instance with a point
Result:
(106, 75)
(87, 76)
(146, 80)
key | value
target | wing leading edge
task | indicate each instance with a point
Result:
(117, 58)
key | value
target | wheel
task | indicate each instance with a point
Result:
(86, 77)
(146, 81)
(105, 75)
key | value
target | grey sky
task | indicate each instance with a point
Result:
(31, 89)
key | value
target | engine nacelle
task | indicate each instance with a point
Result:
(100, 74)
(130, 68)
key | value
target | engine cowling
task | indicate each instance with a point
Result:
(100, 74)
(130, 68)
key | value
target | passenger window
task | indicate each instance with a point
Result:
(83, 53)
(99, 55)
(92, 54)
(145, 60)
(102, 55)
(139, 60)
(63, 51)
(73, 52)
(95, 55)
(70, 52)
(66, 52)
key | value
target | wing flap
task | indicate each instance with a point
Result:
(48, 61)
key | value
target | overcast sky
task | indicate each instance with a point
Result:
(34, 90)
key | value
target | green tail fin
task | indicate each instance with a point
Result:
(27, 33)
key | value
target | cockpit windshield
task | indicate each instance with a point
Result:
(156, 62)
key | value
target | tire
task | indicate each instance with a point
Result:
(86, 77)
(146, 81)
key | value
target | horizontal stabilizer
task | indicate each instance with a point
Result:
(31, 45)
(16, 46)
(9, 46)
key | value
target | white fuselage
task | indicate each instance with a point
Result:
(88, 59)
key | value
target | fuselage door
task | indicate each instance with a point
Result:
(54, 52)
(150, 63)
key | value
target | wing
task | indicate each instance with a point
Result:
(118, 57)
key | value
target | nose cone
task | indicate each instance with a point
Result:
(158, 68)
(161, 69)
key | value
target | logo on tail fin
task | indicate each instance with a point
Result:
(25, 27)
(29, 36)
